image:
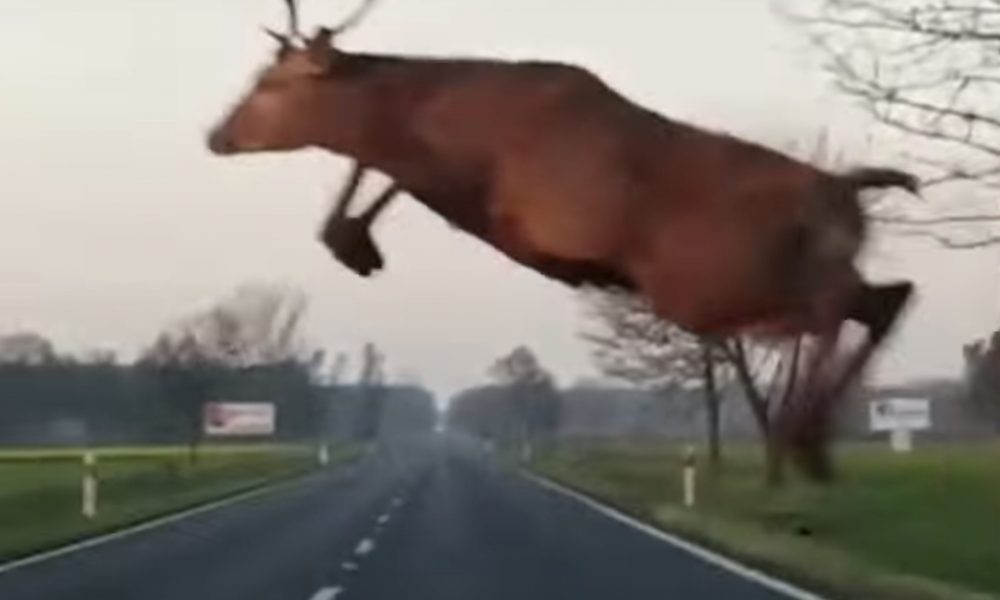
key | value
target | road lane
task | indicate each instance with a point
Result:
(472, 531)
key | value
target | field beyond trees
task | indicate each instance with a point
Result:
(923, 525)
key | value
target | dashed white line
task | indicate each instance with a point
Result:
(327, 593)
(364, 547)
(349, 566)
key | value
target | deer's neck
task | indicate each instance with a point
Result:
(368, 113)
(373, 121)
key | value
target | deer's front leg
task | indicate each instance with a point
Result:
(349, 238)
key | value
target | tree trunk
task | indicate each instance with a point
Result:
(774, 456)
(712, 412)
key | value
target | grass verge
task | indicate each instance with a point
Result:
(916, 527)
(40, 489)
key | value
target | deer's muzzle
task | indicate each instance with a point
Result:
(219, 142)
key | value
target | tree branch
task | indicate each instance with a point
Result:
(928, 70)
(951, 243)
(931, 221)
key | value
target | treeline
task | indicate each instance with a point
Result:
(982, 378)
(683, 388)
(246, 348)
(73, 403)
(520, 412)
(77, 404)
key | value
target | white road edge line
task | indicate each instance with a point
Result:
(327, 593)
(147, 525)
(705, 554)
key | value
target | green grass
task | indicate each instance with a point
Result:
(924, 525)
(14, 454)
(40, 489)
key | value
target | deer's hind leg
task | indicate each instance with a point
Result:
(807, 423)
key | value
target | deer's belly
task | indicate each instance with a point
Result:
(569, 189)
(564, 234)
(710, 276)
(563, 218)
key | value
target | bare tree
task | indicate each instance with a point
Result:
(520, 367)
(928, 72)
(982, 377)
(532, 400)
(258, 325)
(767, 383)
(188, 375)
(26, 348)
(632, 343)
(336, 369)
(98, 357)
(371, 386)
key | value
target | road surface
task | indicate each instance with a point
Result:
(428, 521)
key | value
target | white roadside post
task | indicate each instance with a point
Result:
(689, 476)
(88, 500)
(901, 440)
(527, 452)
(323, 455)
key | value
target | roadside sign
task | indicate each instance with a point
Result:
(900, 417)
(900, 413)
(239, 418)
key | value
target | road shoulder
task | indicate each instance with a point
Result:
(786, 566)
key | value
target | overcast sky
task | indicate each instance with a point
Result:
(114, 219)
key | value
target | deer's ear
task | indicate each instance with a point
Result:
(321, 50)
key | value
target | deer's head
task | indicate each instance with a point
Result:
(279, 112)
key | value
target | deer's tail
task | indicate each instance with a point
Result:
(876, 177)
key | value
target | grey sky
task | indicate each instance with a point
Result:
(114, 219)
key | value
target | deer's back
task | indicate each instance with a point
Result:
(549, 140)
(583, 168)
(580, 172)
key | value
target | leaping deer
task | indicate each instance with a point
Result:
(566, 176)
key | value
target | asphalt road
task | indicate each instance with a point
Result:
(427, 521)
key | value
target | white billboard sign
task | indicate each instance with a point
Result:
(239, 418)
(894, 414)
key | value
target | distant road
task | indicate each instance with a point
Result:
(430, 521)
